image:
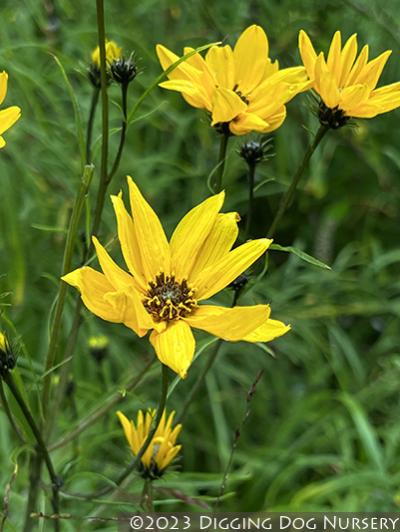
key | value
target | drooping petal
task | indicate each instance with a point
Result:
(231, 324)
(219, 60)
(246, 122)
(93, 287)
(3, 86)
(175, 346)
(218, 243)
(8, 117)
(190, 234)
(193, 92)
(128, 241)
(268, 331)
(151, 239)
(226, 105)
(307, 53)
(117, 277)
(217, 276)
(250, 55)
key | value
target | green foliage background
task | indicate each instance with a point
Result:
(323, 431)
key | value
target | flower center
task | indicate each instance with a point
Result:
(167, 300)
(241, 95)
(332, 117)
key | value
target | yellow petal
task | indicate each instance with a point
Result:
(217, 276)
(358, 66)
(183, 71)
(328, 89)
(226, 105)
(128, 241)
(353, 96)
(231, 324)
(307, 53)
(349, 53)
(220, 61)
(334, 57)
(175, 346)
(117, 277)
(276, 120)
(219, 241)
(247, 122)
(126, 425)
(372, 71)
(194, 94)
(190, 234)
(250, 55)
(93, 287)
(268, 331)
(151, 239)
(3, 86)
(8, 117)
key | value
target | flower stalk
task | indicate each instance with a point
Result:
(89, 132)
(219, 174)
(287, 198)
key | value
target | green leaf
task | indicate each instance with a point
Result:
(302, 255)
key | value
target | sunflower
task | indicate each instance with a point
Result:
(8, 116)
(162, 449)
(241, 87)
(167, 281)
(346, 83)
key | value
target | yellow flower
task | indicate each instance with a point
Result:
(8, 116)
(347, 83)
(162, 449)
(113, 52)
(167, 281)
(241, 87)
(4, 345)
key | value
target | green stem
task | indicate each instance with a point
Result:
(8, 413)
(250, 203)
(104, 118)
(124, 98)
(287, 198)
(67, 261)
(89, 132)
(35, 472)
(41, 446)
(200, 379)
(147, 496)
(133, 465)
(221, 161)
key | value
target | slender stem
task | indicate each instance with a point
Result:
(67, 261)
(89, 131)
(147, 496)
(200, 379)
(104, 117)
(221, 161)
(124, 98)
(110, 402)
(132, 466)
(41, 446)
(8, 413)
(287, 198)
(35, 472)
(250, 203)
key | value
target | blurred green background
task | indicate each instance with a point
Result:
(322, 431)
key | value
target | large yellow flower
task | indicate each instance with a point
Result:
(8, 116)
(162, 449)
(241, 87)
(167, 281)
(346, 84)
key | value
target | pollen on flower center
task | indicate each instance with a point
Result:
(167, 299)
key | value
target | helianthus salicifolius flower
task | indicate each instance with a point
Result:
(346, 83)
(162, 449)
(10, 115)
(7, 356)
(241, 87)
(168, 280)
